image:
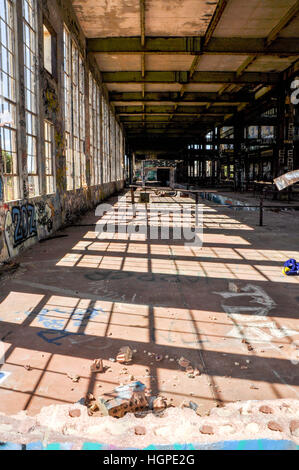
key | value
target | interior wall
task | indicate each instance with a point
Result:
(25, 221)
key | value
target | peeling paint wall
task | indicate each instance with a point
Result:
(27, 220)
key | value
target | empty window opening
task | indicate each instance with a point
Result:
(49, 157)
(31, 87)
(47, 50)
(8, 132)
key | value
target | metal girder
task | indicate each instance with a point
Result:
(193, 45)
(174, 97)
(160, 109)
(183, 77)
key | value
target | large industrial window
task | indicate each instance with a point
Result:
(112, 147)
(68, 109)
(47, 49)
(31, 87)
(95, 129)
(49, 157)
(82, 122)
(74, 113)
(8, 133)
(106, 141)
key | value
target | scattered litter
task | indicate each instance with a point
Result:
(158, 357)
(27, 367)
(111, 359)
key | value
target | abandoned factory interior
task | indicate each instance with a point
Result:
(149, 220)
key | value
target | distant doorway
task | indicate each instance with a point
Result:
(163, 176)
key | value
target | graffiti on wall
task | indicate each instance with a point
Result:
(26, 222)
(20, 226)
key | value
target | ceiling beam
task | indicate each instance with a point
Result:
(183, 77)
(205, 97)
(217, 112)
(142, 21)
(215, 20)
(285, 20)
(193, 45)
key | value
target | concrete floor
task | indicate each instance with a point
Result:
(225, 306)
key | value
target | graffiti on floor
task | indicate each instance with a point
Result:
(110, 275)
(57, 336)
(78, 318)
(4, 376)
(251, 321)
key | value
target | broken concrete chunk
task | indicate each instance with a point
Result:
(76, 413)
(74, 377)
(274, 426)
(97, 366)
(206, 430)
(125, 355)
(232, 287)
(183, 362)
(94, 407)
(294, 427)
(265, 409)
(159, 404)
(140, 430)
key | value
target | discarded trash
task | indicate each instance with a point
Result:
(125, 355)
(158, 357)
(290, 267)
(97, 366)
(27, 367)
(193, 405)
